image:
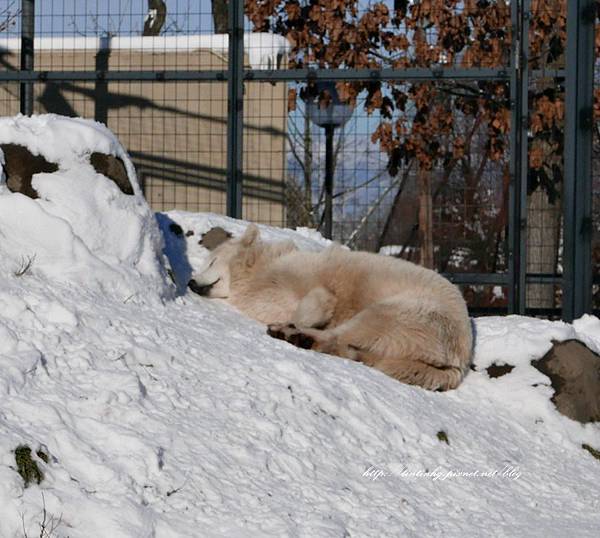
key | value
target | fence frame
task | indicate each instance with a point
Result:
(579, 105)
(576, 280)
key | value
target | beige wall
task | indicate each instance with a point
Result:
(175, 132)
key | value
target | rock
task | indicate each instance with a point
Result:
(498, 370)
(20, 165)
(574, 371)
(214, 237)
(113, 168)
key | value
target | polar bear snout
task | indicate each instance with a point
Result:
(201, 289)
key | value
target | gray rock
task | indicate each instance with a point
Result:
(214, 237)
(574, 371)
(113, 168)
(20, 165)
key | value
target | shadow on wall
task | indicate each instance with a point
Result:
(140, 114)
(201, 175)
(167, 169)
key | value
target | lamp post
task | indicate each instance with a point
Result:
(329, 116)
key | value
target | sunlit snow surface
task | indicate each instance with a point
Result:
(181, 418)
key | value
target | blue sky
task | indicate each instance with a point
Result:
(123, 17)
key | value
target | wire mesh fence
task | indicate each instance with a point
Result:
(451, 150)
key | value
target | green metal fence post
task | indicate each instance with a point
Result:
(235, 108)
(577, 192)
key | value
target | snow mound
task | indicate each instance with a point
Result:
(185, 419)
(82, 229)
(185, 254)
(200, 223)
(588, 330)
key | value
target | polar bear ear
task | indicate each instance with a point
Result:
(250, 256)
(250, 235)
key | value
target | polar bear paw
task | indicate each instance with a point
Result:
(291, 334)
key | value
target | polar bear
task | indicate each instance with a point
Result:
(405, 320)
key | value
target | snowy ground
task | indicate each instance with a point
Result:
(165, 415)
(181, 418)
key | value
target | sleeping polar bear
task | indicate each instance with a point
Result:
(402, 319)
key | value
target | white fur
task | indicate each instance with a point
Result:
(402, 319)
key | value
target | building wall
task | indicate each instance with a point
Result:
(175, 132)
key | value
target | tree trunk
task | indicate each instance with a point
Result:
(156, 17)
(425, 218)
(543, 235)
(220, 15)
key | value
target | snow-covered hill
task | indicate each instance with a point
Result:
(151, 412)
(182, 418)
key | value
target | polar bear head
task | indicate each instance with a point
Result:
(234, 263)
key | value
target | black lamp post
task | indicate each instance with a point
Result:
(328, 116)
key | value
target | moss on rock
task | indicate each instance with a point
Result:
(443, 437)
(591, 450)
(27, 467)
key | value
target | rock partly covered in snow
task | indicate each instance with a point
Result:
(575, 375)
(82, 228)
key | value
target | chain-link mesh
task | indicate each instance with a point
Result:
(420, 169)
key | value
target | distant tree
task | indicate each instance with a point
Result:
(419, 121)
(8, 16)
(155, 18)
(220, 15)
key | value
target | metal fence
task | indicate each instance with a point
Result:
(232, 123)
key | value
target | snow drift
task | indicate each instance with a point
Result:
(81, 229)
(182, 418)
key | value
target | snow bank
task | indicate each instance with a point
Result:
(264, 50)
(82, 229)
(184, 419)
